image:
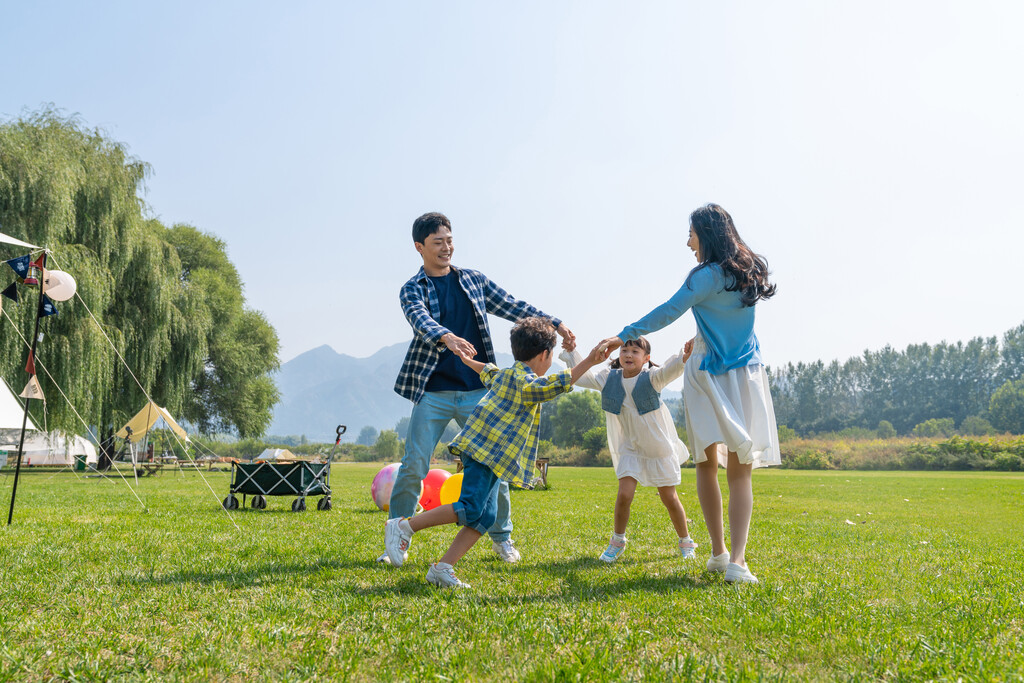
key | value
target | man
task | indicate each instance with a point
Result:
(447, 308)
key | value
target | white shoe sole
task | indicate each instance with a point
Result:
(738, 574)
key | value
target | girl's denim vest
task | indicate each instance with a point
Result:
(645, 397)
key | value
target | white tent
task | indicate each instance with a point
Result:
(12, 411)
(51, 449)
(144, 421)
(276, 454)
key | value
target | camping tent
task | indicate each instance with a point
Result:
(12, 411)
(144, 421)
(51, 449)
(276, 454)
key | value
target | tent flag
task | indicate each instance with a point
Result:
(30, 366)
(11, 292)
(144, 421)
(48, 307)
(20, 265)
(33, 390)
(7, 239)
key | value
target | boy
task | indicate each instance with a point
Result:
(498, 443)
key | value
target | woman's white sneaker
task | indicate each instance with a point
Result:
(718, 563)
(443, 576)
(739, 574)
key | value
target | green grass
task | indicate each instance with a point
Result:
(925, 584)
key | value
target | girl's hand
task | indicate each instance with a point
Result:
(569, 344)
(610, 344)
(687, 350)
(598, 354)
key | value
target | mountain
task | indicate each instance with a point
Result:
(322, 388)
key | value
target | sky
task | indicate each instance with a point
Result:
(871, 151)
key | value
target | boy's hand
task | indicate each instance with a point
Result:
(611, 343)
(687, 350)
(598, 354)
(458, 345)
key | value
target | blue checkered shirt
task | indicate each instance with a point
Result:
(422, 310)
(502, 431)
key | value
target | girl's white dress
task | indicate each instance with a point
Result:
(734, 410)
(645, 447)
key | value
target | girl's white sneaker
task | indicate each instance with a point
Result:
(688, 549)
(738, 574)
(718, 563)
(612, 552)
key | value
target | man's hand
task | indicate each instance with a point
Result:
(568, 344)
(466, 356)
(567, 336)
(458, 345)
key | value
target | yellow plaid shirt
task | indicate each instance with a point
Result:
(502, 431)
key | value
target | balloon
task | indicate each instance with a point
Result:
(58, 285)
(451, 489)
(432, 483)
(383, 482)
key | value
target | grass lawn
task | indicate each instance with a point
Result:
(927, 582)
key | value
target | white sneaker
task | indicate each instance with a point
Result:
(718, 563)
(688, 549)
(396, 541)
(507, 551)
(384, 559)
(444, 577)
(612, 552)
(739, 574)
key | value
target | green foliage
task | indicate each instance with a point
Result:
(577, 413)
(942, 427)
(885, 430)
(595, 439)
(388, 445)
(975, 425)
(1007, 407)
(169, 299)
(786, 434)
(367, 436)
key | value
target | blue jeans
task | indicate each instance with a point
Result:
(477, 506)
(426, 425)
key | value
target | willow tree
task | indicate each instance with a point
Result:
(78, 193)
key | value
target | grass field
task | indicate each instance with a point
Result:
(926, 583)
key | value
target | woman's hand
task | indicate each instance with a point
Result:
(687, 350)
(610, 344)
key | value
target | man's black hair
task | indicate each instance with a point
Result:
(427, 224)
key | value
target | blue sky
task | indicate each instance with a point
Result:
(871, 151)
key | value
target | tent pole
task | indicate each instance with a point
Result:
(24, 419)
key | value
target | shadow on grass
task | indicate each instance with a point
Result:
(243, 577)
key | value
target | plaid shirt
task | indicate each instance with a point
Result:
(422, 310)
(502, 431)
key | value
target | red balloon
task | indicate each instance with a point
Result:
(431, 497)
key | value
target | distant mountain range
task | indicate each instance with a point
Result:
(322, 388)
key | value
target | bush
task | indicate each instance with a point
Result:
(809, 460)
(975, 425)
(595, 439)
(1006, 407)
(941, 427)
(786, 434)
(1008, 462)
(885, 430)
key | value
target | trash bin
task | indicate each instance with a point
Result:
(80, 463)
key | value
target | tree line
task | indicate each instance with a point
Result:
(925, 388)
(168, 297)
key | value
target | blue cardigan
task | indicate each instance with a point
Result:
(726, 325)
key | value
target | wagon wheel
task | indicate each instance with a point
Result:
(263, 502)
(299, 505)
(324, 503)
(258, 502)
(230, 503)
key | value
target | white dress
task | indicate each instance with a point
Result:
(645, 447)
(734, 410)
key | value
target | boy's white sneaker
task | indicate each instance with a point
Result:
(719, 563)
(384, 559)
(739, 574)
(444, 576)
(612, 552)
(688, 549)
(507, 551)
(396, 541)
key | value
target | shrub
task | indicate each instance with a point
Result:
(1008, 462)
(885, 430)
(975, 425)
(1006, 407)
(786, 434)
(940, 427)
(595, 439)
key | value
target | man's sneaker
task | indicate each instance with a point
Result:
(718, 563)
(507, 551)
(396, 541)
(688, 549)
(739, 574)
(444, 576)
(612, 552)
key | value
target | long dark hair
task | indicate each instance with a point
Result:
(643, 345)
(745, 271)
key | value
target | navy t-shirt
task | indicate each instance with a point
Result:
(451, 374)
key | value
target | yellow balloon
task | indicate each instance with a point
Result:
(450, 489)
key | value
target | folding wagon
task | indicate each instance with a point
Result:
(261, 479)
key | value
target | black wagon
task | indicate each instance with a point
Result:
(301, 479)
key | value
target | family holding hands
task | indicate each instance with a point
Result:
(449, 373)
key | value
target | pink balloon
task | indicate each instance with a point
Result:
(382, 484)
(432, 483)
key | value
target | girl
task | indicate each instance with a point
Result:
(642, 438)
(729, 412)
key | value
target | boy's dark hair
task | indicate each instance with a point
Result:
(746, 272)
(427, 224)
(532, 336)
(642, 344)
